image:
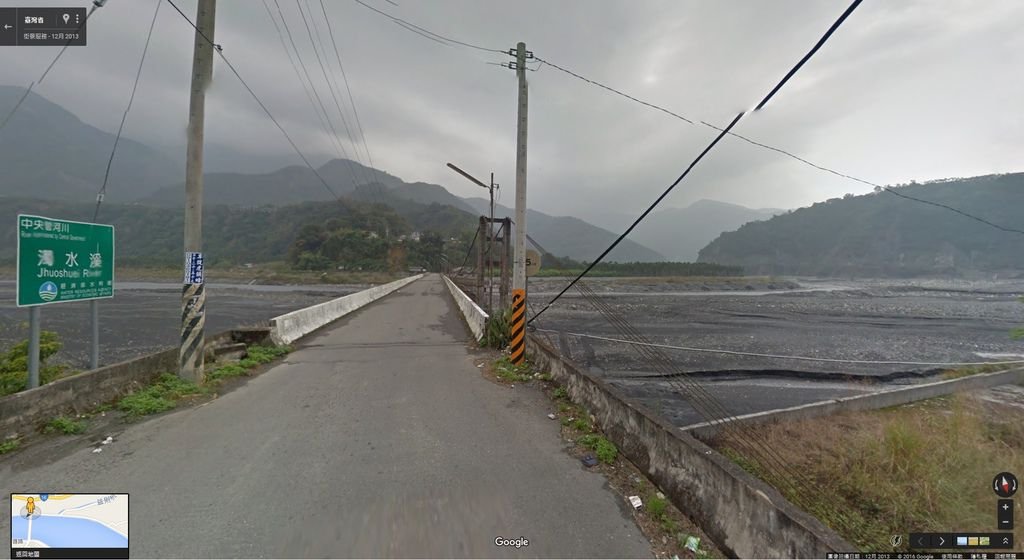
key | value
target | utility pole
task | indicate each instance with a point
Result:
(519, 259)
(517, 330)
(193, 294)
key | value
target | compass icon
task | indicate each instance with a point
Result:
(1005, 484)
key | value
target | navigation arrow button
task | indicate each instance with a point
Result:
(942, 540)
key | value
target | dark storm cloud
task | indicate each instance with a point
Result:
(905, 90)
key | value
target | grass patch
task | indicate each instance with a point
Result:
(9, 446)
(255, 356)
(508, 371)
(581, 424)
(973, 370)
(924, 467)
(64, 425)
(560, 393)
(605, 450)
(657, 506)
(160, 396)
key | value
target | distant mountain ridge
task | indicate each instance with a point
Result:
(48, 153)
(881, 234)
(680, 233)
(565, 236)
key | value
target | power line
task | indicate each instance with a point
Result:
(331, 88)
(351, 98)
(642, 216)
(298, 75)
(255, 97)
(775, 149)
(96, 4)
(298, 54)
(124, 117)
(427, 31)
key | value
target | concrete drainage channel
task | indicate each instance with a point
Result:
(25, 410)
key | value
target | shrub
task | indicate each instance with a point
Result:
(14, 364)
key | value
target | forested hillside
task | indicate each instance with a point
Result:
(153, 236)
(881, 234)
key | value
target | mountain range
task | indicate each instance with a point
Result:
(680, 233)
(906, 232)
(46, 152)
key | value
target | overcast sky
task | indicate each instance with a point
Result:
(904, 90)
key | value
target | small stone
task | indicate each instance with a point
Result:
(551, 416)
(660, 495)
(97, 450)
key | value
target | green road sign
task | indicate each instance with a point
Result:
(60, 260)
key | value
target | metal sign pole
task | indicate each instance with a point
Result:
(33, 347)
(94, 308)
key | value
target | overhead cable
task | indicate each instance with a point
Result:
(700, 156)
(262, 105)
(124, 117)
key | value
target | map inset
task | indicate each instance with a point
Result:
(69, 521)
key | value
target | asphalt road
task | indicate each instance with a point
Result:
(378, 437)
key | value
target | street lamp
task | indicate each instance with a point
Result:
(490, 228)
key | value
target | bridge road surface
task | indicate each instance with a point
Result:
(377, 437)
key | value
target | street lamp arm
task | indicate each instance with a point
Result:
(468, 176)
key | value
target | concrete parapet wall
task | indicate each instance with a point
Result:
(23, 412)
(290, 327)
(475, 317)
(745, 517)
(872, 401)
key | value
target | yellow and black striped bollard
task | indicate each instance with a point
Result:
(517, 347)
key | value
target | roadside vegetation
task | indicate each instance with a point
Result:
(497, 330)
(671, 533)
(922, 467)
(65, 425)
(9, 445)
(505, 370)
(159, 397)
(169, 389)
(14, 364)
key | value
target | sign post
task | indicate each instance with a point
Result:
(60, 261)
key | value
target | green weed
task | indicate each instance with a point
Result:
(605, 450)
(9, 446)
(508, 371)
(64, 425)
(159, 396)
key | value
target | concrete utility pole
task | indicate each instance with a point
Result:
(519, 260)
(193, 300)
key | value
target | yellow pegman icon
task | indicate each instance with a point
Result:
(31, 505)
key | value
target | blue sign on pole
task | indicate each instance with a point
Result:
(193, 268)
